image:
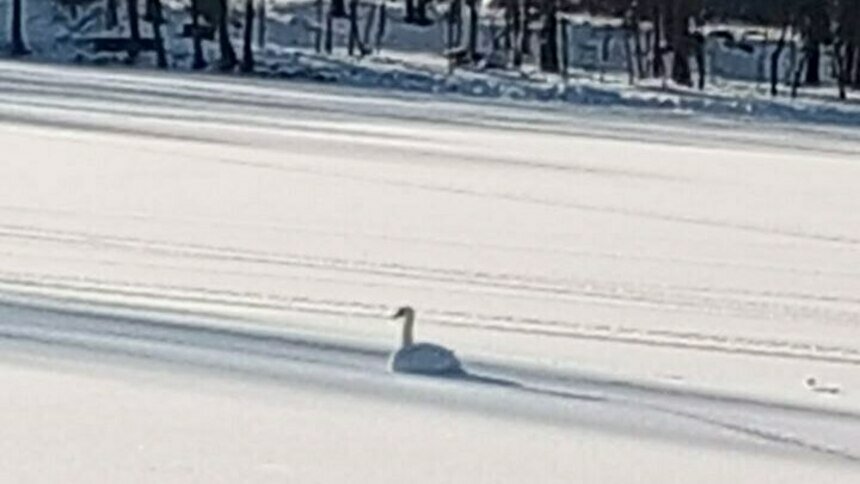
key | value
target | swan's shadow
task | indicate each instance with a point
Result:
(475, 378)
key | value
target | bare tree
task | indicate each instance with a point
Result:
(157, 19)
(678, 19)
(549, 37)
(228, 55)
(111, 14)
(473, 29)
(248, 38)
(18, 48)
(774, 60)
(134, 29)
(199, 62)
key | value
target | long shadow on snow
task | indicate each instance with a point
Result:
(120, 330)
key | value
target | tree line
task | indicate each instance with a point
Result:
(663, 38)
(679, 29)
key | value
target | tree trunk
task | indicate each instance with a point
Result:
(774, 61)
(795, 85)
(248, 38)
(18, 47)
(320, 29)
(813, 63)
(368, 29)
(628, 55)
(338, 8)
(565, 48)
(261, 26)
(473, 29)
(637, 44)
(353, 26)
(421, 17)
(111, 15)
(508, 45)
(329, 35)
(677, 19)
(699, 48)
(228, 55)
(198, 62)
(517, 25)
(409, 16)
(839, 65)
(525, 32)
(380, 26)
(549, 37)
(657, 48)
(849, 63)
(134, 29)
(148, 11)
(157, 21)
(455, 23)
(857, 67)
(681, 72)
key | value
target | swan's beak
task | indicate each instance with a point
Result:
(398, 314)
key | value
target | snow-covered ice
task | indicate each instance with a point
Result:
(196, 274)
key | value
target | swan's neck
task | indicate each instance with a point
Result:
(408, 327)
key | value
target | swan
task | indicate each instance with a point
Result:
(421, 358)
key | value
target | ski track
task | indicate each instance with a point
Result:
(41, 233)
(727, 301)
(614, 333)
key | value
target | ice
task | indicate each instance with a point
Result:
(197, 273)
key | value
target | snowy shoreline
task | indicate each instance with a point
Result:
(419, 70)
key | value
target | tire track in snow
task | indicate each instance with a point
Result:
(529, 326)
(268, 132)
(23, 231)
(699, 300)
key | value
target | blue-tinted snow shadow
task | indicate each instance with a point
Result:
(468, 377)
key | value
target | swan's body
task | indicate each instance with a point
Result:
(421, 358)
(424, 358)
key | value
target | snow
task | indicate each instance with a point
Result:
(197, 274)
(180, 398)
(185, 427)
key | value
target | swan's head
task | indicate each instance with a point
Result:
(404, 312)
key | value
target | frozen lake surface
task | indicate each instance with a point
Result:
(196, 274)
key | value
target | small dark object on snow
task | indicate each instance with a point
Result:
(814, 385)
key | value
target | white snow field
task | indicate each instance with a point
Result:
(196, 275)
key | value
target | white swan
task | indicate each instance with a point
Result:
(421, 358)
